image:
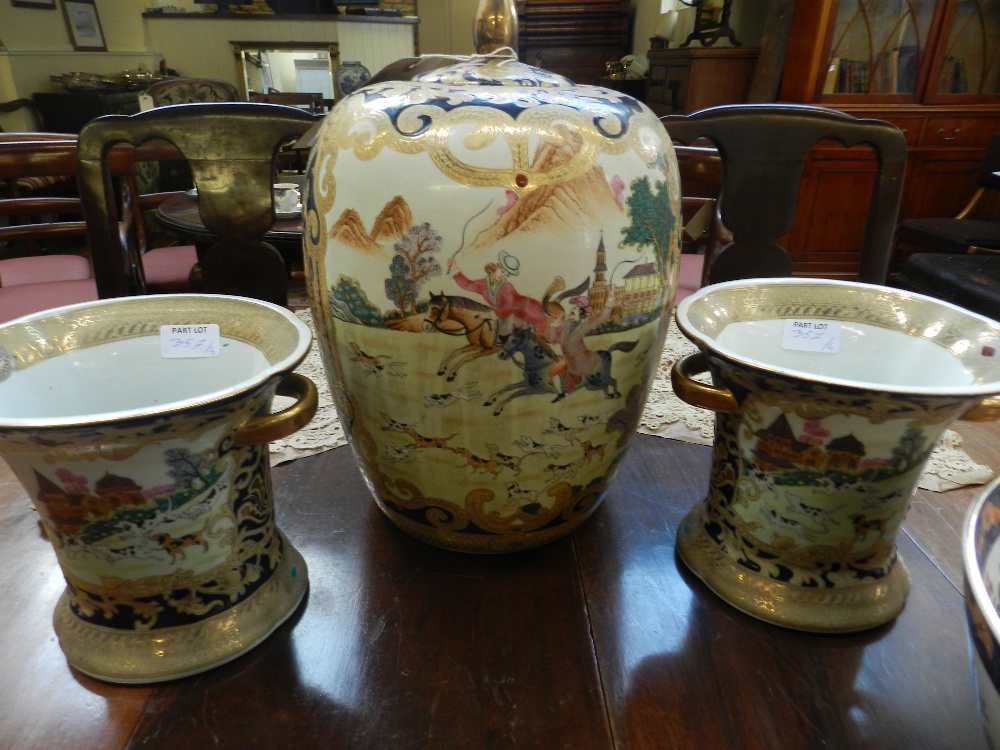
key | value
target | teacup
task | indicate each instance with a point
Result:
(139, 429)
(830, 397)
(287, 198)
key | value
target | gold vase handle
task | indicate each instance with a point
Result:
(285, 422)
(704, 395)
(987, 410)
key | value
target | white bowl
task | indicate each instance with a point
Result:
(981, 560)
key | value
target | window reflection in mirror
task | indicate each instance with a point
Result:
(286, 67)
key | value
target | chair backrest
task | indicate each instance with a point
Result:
(700, 171)
(30, 282)
(764, 149)
(231, 148)
(31, 222)
(989, 171)
(31, 112)
(38, 221)
(191, 90)
(310, 101)
(19, 179)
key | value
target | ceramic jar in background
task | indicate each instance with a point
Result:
(144, 451)
(829, 398)
(350, 76)
(491, 257)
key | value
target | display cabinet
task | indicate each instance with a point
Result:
(575, 38)
(68, 112)
(686, 79)
(932, 67)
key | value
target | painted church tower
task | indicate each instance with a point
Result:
(599, 288)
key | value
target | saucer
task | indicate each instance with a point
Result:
(285, 215)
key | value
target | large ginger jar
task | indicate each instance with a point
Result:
(492, 256)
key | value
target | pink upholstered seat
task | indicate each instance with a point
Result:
(30, 285)
(43, 268)
(26, 299)
(689, 275)
(167, 269)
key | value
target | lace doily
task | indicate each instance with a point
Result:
(324, 431)
(665, 416)
(950, 467)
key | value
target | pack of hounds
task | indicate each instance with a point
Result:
(562, 439)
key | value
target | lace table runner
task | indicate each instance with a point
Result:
(665, 416)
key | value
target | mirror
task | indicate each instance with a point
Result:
(287, 67)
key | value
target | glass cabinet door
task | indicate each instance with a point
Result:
(879, 48)
(968, 60)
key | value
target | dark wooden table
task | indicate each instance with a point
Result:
(600, 640)
(180, 214)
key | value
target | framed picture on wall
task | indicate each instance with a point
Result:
(46, 4)
(84, 25)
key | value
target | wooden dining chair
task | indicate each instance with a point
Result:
(312, 102)
(970, 231)
(176, 175)
(231, 148)
(764, 150)
(957, 259)
(700, 170)
(19, 183)
(44, 261)
(45, 241)
(191, 90)
(26, 110)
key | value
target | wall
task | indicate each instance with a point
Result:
(446, 27)
(373, 44)
(37, 45)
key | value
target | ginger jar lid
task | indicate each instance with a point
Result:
(494, 70)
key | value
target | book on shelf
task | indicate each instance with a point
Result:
(830, 82)
(906, 69)
(860, 83)
(852, 77)
(883, 74)
(954, 79)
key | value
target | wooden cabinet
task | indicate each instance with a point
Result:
(574, 38)
(684, 80)
(931, 67)
(68, 112)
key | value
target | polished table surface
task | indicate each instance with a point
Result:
(180, 214)
(253, 275)
(600, 640)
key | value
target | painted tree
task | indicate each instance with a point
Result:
(186, 468)
(909, 451)
(417, 250)
(651, 220)
(349, 302)
(400, 289)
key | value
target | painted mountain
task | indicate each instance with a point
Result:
(553, 209)
(351, 231)
(558, 209)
